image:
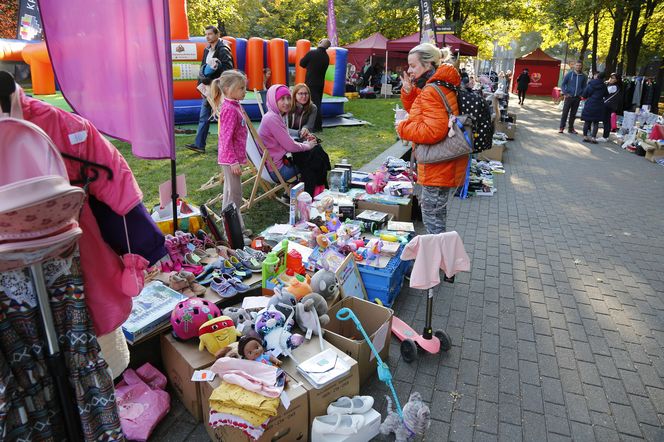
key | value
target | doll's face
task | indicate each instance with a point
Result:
(253, 350)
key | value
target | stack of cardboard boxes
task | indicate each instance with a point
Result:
(181, 359)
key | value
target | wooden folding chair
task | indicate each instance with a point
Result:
(261, 160)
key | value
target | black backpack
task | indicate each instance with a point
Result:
(474, 106)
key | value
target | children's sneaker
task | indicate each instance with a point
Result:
(241, 270)
(249, 261)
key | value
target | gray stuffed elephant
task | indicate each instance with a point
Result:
(308, 309)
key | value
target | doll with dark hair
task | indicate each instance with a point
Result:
(251, 348)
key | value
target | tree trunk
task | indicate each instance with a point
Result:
(614, 48)
(621, 66)
(595, 32)
(631, 49)
(585, 37)
(636, 34)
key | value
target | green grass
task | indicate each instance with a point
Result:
(358, 144)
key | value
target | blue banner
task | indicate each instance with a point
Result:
(29, 21)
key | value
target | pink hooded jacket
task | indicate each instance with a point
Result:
(274, 131)
(232, 134)
(102, 268)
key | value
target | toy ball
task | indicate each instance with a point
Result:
(216, 334)
(190, 314)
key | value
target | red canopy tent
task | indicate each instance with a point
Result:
(405, 44)
(544, 72)
(374, 45)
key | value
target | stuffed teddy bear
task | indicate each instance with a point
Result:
(271, 326)
(244, 321)
(325, 283)
(307, 310)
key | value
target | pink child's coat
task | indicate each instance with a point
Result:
(432, 253)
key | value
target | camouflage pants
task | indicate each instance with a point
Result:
(434, 208)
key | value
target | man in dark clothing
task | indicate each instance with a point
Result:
(316, 63)
(522, 85)
(217, 58)
(572, 87)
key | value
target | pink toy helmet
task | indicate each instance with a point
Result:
(190, 314)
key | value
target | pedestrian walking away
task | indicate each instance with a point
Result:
(316, 63)
(572, 87)
(217, 58)
(522, 82)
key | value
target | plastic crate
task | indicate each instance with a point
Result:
(384, 284)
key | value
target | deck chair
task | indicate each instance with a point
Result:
(260, 158)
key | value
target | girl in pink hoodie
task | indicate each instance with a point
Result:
(274, 132)
(231, 86)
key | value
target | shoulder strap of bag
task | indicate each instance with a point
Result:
(442, 95)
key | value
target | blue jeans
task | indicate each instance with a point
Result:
(203, 125)
(287, 172)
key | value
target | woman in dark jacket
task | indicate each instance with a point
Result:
(593, 108)
(522, 82)
(613, 103)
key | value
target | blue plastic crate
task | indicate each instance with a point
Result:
(384, 284)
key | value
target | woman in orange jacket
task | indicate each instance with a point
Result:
(427, 123)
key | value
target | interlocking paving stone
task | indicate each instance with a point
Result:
(559, 327)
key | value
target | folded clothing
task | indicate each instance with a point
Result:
(217, 419)
(252, 407)
(251, 375)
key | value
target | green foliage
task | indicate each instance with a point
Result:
(202, 13)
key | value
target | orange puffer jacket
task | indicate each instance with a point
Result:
(427, 124)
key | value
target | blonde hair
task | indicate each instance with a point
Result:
(229, 79)
(428, 53)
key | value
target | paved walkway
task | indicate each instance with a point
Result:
(558, 330)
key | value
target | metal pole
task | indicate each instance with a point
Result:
(428, 331)
(386, 70)
(54, 360)
(174, 195)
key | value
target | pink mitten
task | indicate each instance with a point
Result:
(133, 274)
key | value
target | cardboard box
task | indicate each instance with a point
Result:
(288, 424)
(508, 128)
(654, 150)
(319, 399)
(377, 322)
(180, 360)
(493, 154)
(399, 212)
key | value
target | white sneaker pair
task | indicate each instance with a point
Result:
(344, 416)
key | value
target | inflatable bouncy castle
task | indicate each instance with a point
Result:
(251, 56)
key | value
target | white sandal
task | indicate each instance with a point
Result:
(346, 405)
(337, 424)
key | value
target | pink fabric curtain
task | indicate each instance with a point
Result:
(112, 60)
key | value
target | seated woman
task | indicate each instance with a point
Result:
(278, 142)
(302, 115)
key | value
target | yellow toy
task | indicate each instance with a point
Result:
(216, 334)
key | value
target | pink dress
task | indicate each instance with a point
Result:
(102, 268)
